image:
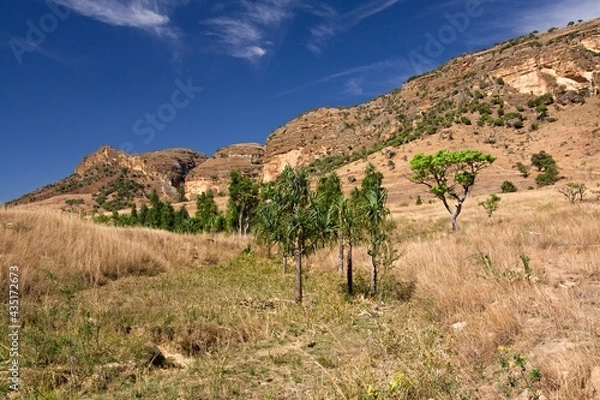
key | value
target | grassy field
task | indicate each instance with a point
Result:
(502, 309)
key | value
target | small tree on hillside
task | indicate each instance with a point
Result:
(574, 191)
(491, 204)
(450, 175)
(547, 167)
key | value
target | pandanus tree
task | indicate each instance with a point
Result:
(303, 225)
(298, 222)
(349, 232)
(329, 197)
(372, 214)
(268, 222)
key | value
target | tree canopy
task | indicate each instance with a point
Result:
(450, 175)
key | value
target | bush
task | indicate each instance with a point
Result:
(465, 120)
(508, 187)
(523, 169)
(548, 177)
(548, 168)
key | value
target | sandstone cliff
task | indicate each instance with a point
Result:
(213, 175)
(565, 63)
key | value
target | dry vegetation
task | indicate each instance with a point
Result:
(501, 309)
(51, 247)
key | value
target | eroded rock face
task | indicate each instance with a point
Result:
(170, 167)
(213, 175)
(163, 170)
(566, 60)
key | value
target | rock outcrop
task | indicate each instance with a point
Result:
(557, 62)
(213, 175)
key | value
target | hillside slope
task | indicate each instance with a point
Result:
(536, 92)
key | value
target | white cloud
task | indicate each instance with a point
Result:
(148, 15)
(336, 23)
(354, 87)
(370, 79)
(247, 32)
(555, 13)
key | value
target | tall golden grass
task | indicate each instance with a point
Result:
(549, 312)
(525, 283)
(49, 247)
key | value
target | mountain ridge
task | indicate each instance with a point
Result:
(516, 91)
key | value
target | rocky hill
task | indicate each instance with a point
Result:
(499, 88)
(111, 179)
(537, 92)
(213, 175)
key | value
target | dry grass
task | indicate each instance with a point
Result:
(50, 247)
(522, 288)
(548, 312)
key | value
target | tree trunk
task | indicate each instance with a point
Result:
(340, 265)
(455, 215)
(298, 256)
(284, 264)
(240, 217)
(454, 224)
(373, 276)
(349, 268)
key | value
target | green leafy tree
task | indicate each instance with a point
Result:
(243, 200)
(546, 165)
(167, 217)
(523, 169)
(143, 216)
(154, 215)
(298, 218)
(134, 218)
(450, 175)
(206, 210)
(181, 216)
(491, 204)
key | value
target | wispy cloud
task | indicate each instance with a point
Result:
(363, 80)
(335, 24)
(248, 32)
(149, 15)
(555, 13)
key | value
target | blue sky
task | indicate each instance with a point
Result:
(151, 74)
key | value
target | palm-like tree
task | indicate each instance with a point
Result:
(305, 226)
(269, 222)
(349, 232)
(329, 196)
(373, 212)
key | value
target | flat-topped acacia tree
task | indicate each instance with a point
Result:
(450, 175)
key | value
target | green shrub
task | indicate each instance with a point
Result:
(508, 187)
